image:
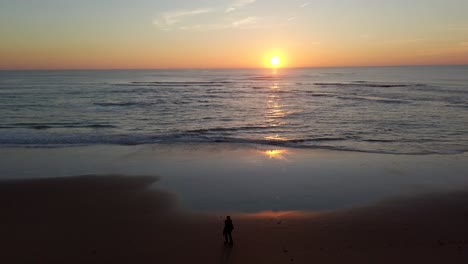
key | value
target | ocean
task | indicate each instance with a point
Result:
(395, 110)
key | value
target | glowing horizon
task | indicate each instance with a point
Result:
(231, 34)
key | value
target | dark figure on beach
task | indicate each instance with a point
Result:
(228, 227)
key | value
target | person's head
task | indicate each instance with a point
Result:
(228, 217)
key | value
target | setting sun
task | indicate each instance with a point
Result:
(275, 58)
(275, 61)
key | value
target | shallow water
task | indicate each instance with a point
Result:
(400, 110)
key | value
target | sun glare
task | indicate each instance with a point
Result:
(275, 61)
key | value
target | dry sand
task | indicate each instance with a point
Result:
(116, 219)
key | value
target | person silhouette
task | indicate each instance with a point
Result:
(228, 227)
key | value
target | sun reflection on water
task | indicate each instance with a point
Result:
(276, 138)
(275, 117)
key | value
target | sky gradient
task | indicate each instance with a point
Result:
(123, 34)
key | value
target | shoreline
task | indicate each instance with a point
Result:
(119, 219)
(232, 145)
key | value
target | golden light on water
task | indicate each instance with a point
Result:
(276, 137)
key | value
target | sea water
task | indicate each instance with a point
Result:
(397, 110)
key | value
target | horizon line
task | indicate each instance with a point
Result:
(231, 68)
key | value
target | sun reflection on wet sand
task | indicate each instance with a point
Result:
(282, 214)
(278, 154)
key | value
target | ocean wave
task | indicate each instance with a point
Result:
(440, 90)
(191, 82)
(107, 104)
(175, 84)
(318, 94)
(131, 91)
(421, 140)
(375, 99)
(43, 126)
(229, 129)
(463, 106)
(317, 139)
(367, 84)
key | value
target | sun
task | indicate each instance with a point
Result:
(275, 61)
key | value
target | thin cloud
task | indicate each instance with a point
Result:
(238, 5)
(202, 27)
(291, 18)
(245, 22)
(168, 19)
(306, 4)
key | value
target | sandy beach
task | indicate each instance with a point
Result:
(117, 219)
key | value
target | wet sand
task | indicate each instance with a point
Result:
(118, 219)
(243, 178)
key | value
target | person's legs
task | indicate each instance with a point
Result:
(225, 237)
(230, 238)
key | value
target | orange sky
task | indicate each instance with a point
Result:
(225, 34)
